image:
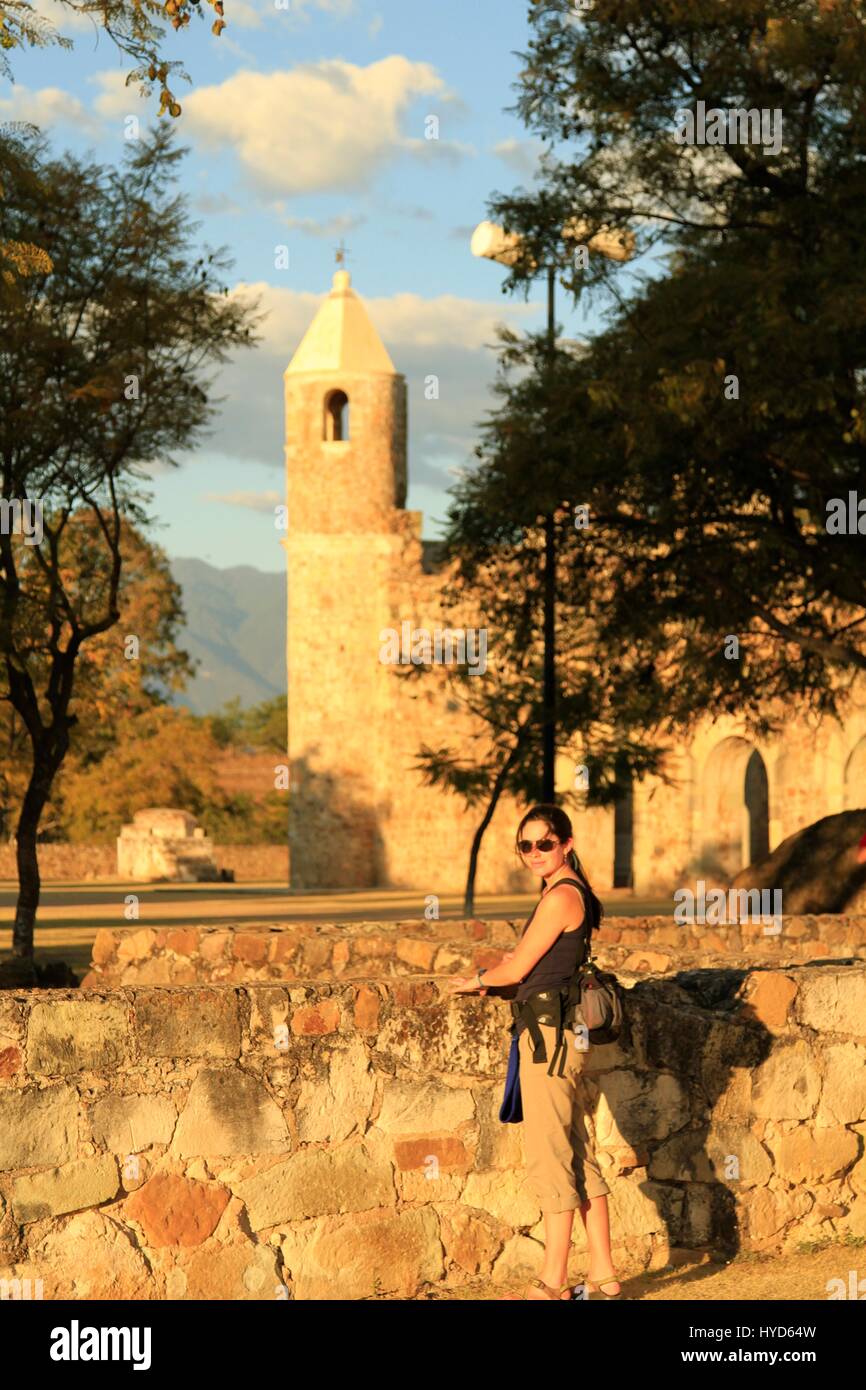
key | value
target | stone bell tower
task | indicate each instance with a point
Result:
(345, 482)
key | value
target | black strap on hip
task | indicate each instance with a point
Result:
(545, 1007)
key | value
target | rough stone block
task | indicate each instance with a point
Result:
(505, 1195)
(135, 945)
(769, 999)
(366, 1016)
(240, 1272)
(214, 945)
(78, 1035)
(250, 947)
(183, 942)
(469, 1241)
(834, 1001)
(412, 1108)
(520, 1259)
(229, 1112)
(364, 1256)
(338, 1100)
(412, 1154)
(418, 954)
(38, 1128)
(316, 1019)
(317, 1182)
(172, 1210)
(768, 1212)
(104, 947)
(843, 1095)
(10, 1062)
(12, 1017)
(814, 1155)
(194, 1023)
(787, 1085)
(84, 1183)
(91, 1257)
(633, 1106)
(128, 1124)
(638, 1207)
(283, 949)
(702, 1156)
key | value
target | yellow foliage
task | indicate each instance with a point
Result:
(27, 259)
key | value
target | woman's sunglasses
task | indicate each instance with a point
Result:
(545, 845)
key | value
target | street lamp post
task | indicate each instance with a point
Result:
(494, 243)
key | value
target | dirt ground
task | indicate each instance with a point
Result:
(747, 1278)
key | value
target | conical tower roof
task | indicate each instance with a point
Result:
(341, 337)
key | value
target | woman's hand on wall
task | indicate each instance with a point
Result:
(468, 984)
(464, 984)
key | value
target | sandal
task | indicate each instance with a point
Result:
(550, 1291)
(596, 1287)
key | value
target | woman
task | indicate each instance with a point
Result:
(561, 1170)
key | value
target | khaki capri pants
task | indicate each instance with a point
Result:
(560, 1165)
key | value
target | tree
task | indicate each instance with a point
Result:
(100, 373)
(135, 26)
(163, 757)
(122, 673)
(507, 517)
(722, 412)
(261, 726)
(165, 760)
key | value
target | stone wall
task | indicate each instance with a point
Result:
(299, 950)
(341, 1140)
(62, 861)
(292, 951)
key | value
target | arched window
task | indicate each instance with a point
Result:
(757, 807)
(623, 830)
(734, 825)
(855, 778)
(336, 415)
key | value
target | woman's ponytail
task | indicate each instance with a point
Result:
(594, 909)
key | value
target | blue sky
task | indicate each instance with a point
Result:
(305, 125)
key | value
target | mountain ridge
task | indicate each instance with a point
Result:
(235, 626)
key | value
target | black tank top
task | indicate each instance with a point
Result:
(555, 968)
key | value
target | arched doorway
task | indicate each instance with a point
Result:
(757, 808)
(735, 824)
(855, 777)
(623, 833)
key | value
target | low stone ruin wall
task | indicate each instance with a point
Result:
(340, 1140)
(300, 950)
(99, 862)
(292, 951)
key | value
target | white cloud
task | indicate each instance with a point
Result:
(404, 321)
(50, 107)
(520, 155)
(116, 99)
(339, 225)
(62, 17)
(244, 15)
(338, 7)
(450, 150)
(327, 125)
(255, 501)
(218, 204)
(446, 322)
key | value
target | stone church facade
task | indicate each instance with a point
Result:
(360, 814)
